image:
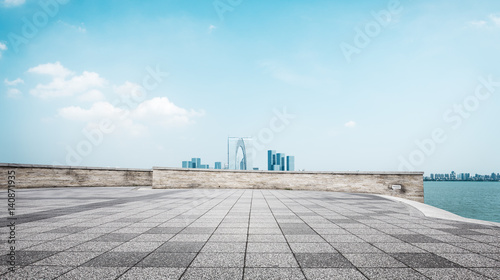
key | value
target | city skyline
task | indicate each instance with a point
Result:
(343, 86)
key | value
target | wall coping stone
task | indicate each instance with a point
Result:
(293, 172)
(18, 165)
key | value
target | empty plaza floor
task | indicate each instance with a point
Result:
(131, 233)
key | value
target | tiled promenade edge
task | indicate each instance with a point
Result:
(125, 233)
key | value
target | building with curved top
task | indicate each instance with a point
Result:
(239, 153)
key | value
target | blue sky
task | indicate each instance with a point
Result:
(342, 85)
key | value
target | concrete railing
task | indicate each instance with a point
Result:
(407, 185)
(40, 176)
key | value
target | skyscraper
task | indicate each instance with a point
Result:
(218, 165)
(239, 153)
(280, 162)
(290, 163)
(271, 159)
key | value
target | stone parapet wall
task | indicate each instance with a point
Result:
(46, 176)
(412, 186)
(40, 176)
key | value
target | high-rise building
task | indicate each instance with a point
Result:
(239, 153)
(194, 163)
(280, 162)
(290, 163)
(271, 159)
(218, 165)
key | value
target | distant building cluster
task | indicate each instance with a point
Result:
(196, 163)
(280, 162)
(239, 157)
(462, 177)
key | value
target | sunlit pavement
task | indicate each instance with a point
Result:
(125, 233)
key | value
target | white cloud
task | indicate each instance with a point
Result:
(350, 124)
(79, 28)
(59, 86)
(211, 28)
(161, 110)
(52, 69)
(14, 82)
(130, 90)
(91, 96)
(13, 3)
(156, 111)
(3, 47)
(98, 111)
(478, 23)
(14, 93)
(495, 19)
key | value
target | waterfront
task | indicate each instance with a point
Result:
(476, 200)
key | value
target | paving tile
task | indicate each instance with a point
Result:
(228, 238)
(28, 257)
(164, 230)
(333, 273)
(219, 260)
(152, 238)
(450, 274)
(68, 258)
(95, 246)
(268, 248)
(220, 247)
(312, 248)
(398, 248)
(162, 259)
(190, 237)
(342, 238)
(373, 260)
(273, 273)
(359, 247)
(132, 246)
(116, 259)
(322, 260)
(195, 273)
(392, 274)
(270, 260)
(264, 238)
(37, 272)
(181, 247)
(472, 260)
(440, 248)
(415, 238)
(493, 273)
(116, 237)
(93, 273)
(424, 260)
(304, 238)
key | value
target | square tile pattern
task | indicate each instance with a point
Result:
(125, 233)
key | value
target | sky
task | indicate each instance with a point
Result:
(342, 85)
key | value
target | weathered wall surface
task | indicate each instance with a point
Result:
(38, 176)
(351, 182)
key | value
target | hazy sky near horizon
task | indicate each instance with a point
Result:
(341, 85)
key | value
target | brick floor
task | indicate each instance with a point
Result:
(125, 233)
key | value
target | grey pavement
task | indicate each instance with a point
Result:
(126, 233)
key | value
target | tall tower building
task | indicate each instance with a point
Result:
(290, 163)
(239, 153)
